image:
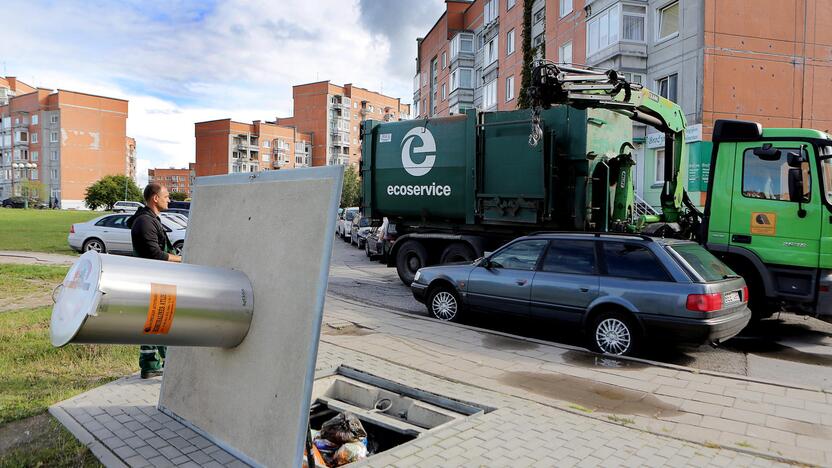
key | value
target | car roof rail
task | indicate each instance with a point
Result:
(596, 234)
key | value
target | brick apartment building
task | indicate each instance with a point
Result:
(175, 180)
(130, 158)
(717, 60)
(333, 114)
(323, 130)
(225, 146)
(72, 139)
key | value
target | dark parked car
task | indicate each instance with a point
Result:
(380, 240)
(20, 202)
(619, 289)
(184, 205)
(359, 231)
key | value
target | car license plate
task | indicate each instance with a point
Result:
(732, 297)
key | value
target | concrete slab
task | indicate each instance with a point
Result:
(277, 227)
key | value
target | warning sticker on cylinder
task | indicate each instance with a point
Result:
(161, 310)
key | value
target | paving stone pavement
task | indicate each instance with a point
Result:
(554, 406)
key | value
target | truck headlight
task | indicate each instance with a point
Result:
(418, 275)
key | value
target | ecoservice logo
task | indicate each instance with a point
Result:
(428, 148)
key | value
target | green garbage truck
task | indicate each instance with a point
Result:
(457, 187)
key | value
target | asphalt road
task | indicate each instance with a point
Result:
(787, 348)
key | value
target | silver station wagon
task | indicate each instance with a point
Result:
(619, 289)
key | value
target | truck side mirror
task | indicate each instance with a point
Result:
(767, 152)
(794, 160)
(796, 192)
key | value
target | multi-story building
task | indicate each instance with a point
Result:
(225, 146)
(130, 158)
(10, 87)
(473, 57)
(334, 114)
(716, 60)
(66, 141)
(173, 179)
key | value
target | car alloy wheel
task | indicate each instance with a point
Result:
(613, 336)
(94, 244)
(444, 306)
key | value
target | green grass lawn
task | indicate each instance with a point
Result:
(39, 230)
(35, 375)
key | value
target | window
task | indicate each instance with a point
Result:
(633, 21)
(659, 166)
(521, 255)
(265, 156)
(462, 78)
(53, 137)
(35, 119)
(34, 138)
(539, 16)
(35, 156)
(53, 119)
(668, 24)
(54, 173)
(491, 10)
(491, 51)
(462, 43)
(510, 4)
(570, 257)
(53, 155)
(509, 88)
(489, 94)
(565, 53)
(602, 30)
(444, 60)
(538, 39)
(510, 42)
(633, 261)
(267, 144)
(444, 91)
(632, 77)
(769, 180)
(702, 262)
(565, 7)
(33, 174)
(667, 87)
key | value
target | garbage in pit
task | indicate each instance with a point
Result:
(341, 440)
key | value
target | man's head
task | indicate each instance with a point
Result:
(156, 197)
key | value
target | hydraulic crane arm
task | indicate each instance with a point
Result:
(585, 88)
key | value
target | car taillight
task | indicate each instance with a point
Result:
(704, 302)
(72, 229)
(745, 293)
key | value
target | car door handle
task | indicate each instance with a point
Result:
(741, 239)
(522, 282)
(584, 289)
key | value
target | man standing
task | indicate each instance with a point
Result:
(151, 241)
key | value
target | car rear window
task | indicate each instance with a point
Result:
(702, 262)
(633, 261)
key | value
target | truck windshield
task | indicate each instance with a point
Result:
(703, 263)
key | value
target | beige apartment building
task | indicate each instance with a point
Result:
(65, 140)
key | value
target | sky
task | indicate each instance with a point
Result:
(184, 61)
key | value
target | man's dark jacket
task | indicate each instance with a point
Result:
(149, 237)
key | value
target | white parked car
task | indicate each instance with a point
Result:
(176, 218)
(126, 206)
(344, 226)
(110, 234)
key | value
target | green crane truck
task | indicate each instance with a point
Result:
(457, 187)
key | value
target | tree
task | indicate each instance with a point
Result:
(351, 193)
(109, 189)
(524, 100)
(35, 190)
(178, 196)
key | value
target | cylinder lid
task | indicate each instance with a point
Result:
(78, 298)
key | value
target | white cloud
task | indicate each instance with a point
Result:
(180, 62)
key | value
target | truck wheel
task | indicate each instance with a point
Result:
(457, 252)
(411, 256)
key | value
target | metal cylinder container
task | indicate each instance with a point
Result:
(127, 300)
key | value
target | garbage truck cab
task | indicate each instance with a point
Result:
(768, 214)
